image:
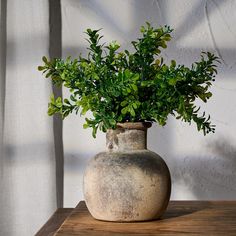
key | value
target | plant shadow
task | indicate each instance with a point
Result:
(177, 209)
(213, 176)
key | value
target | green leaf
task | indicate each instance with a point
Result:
(40, 68)
(50, 111)
(59, 100)
(112, 122)
(89, 31)
(173, 63)
(85, 126)
(135, 77)
(45, 60)
(124, 103)
(134, 105)
(94, 131)
(157, 62)
(172, 81)
(164, 68)
(163, 44)
(131, 110)
(142, 29)
(134, 87)
(124, 110)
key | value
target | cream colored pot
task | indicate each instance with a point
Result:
(127, 182)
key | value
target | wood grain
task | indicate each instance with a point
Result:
(52, 225)
(181, 218)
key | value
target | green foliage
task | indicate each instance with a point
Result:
(132, 86)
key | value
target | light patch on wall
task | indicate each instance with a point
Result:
(122, 13)
(213, 30)
(94, 15)
(182, 191)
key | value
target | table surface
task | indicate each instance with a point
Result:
(181, 218)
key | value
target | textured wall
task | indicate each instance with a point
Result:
(201, 167)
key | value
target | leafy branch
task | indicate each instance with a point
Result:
(122, 86)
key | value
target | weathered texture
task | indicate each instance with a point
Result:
(128, 136)
(128, 182)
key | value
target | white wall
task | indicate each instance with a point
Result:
(201, 167)
(28, 194)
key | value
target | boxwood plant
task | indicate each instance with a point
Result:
(132, 86)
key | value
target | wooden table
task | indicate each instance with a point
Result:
(181, 218)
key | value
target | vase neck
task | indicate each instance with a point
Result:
(127, 137)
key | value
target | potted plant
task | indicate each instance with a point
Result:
(126, 92)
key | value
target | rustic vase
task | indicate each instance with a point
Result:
(127, 182)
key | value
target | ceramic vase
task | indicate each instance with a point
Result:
(127, 182)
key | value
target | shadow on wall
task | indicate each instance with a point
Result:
(210, 177)
(28, 173)
(75, 164)
(77, 161)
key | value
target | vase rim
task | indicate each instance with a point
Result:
(134, 125)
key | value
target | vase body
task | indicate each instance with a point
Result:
(127, 182)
